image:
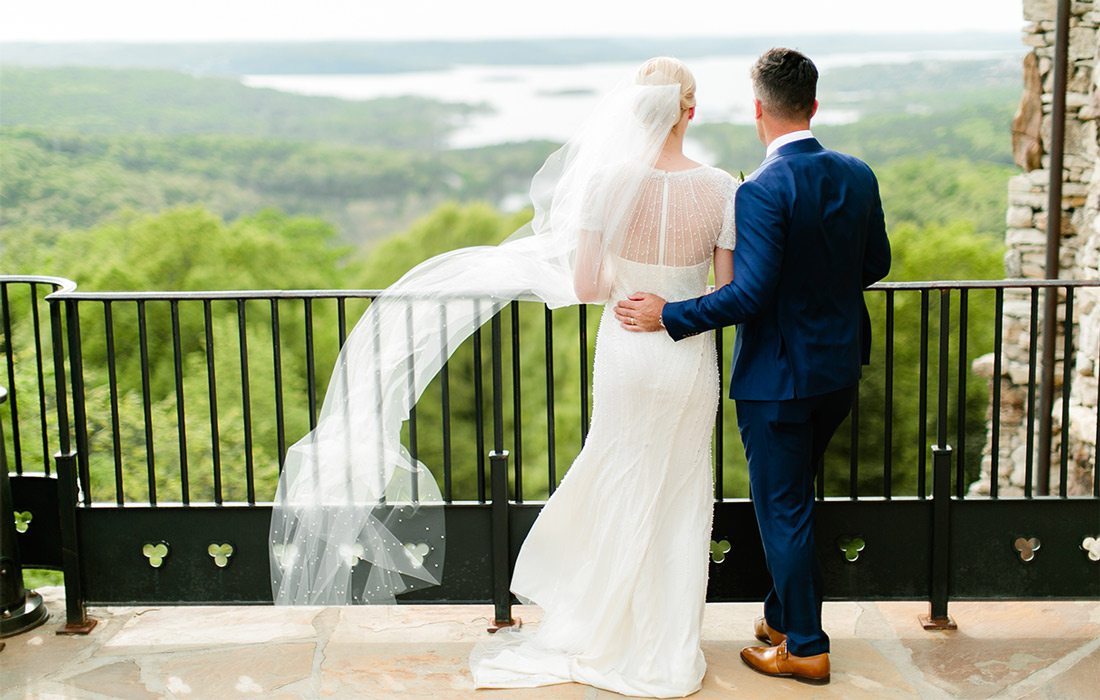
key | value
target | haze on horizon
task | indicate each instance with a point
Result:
(319, 20)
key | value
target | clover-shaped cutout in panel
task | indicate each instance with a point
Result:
(155, 553)
(285, 554)
(416, 551)
(718, 550)
(23, 520)
(220, 553)
(351, 553)
(1027, 547)
(851, 545)
(1091, 545)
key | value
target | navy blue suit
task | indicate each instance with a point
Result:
(810, 237)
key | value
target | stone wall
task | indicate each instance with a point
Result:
(1026, 243)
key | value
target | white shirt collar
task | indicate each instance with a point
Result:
(783, 140)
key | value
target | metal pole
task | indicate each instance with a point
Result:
(498, 464)
(1054, 243)
(939, 590)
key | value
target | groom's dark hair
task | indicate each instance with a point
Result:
(785, 82)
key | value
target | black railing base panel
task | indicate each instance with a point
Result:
(986, 564)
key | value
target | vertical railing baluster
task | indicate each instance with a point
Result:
(43, 424)
(517, 410)
(819, 479)
(995, 432)
(479, 406)
(112, 386)
(922, 400)
(1029, 458)
(853, 448)
(246, 404)
(583, 315)
(80, 415)
(277, 362)
(960, 418)
(311, 373)
(1067, 386)
(13, 393)
(888, 409)
(551, 439)
(60, 385)
(410, 370)
(341, 320)
(147, 402)
(212, 388)
(445, 403)
(719, 421)
(181, 416)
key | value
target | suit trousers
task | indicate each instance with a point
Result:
(784, 442)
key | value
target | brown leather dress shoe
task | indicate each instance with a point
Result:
(766, 634)
(776, 661)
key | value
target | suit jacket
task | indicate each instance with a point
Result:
(810, 237)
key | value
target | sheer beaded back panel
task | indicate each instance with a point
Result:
(670, 237)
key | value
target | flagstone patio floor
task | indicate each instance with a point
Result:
(1001, 650)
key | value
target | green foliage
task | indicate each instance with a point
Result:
(920, 87)
(63, 179)
(920, 253)
(932, 191)
(37, 578)
(105, 101)
(975, 133)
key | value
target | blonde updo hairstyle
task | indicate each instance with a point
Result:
(665, 70)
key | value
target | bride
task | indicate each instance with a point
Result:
(618, 557)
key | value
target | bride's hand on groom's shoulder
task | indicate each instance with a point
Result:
(640, 312)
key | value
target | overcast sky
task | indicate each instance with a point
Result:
(158, 20)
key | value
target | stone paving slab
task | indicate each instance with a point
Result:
(1028, 650)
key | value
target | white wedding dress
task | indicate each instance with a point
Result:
(618, 557)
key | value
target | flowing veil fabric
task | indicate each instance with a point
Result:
(356, 519)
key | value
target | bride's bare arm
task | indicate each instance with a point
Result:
(723, 267)
(591, 280)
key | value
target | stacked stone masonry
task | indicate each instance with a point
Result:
(1025, 239)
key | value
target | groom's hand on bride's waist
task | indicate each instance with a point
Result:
(641, 312)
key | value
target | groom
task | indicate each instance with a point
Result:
(810, 237)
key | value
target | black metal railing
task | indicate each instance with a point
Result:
(188, 400)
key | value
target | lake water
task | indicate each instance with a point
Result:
(548, 102)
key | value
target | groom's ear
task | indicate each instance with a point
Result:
(760, 110)
(814, 110)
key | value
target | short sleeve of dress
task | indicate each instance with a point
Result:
(727, 237)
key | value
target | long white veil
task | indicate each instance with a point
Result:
(356, 519)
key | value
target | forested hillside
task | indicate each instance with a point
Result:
(150, 179)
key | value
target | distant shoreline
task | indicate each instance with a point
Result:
(388, 57)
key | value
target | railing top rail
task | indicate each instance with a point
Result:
(64, 295)
(62, 284)
(1018, 283)
(68, 290)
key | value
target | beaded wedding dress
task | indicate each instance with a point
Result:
(618, 557)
